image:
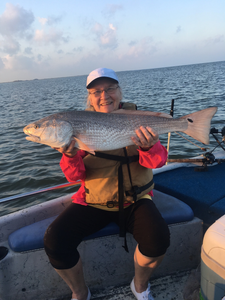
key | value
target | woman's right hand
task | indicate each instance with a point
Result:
(68, 150)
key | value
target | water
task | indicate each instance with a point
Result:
(26, 166)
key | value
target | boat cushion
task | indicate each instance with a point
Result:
(218, 207)
(204, 192)
(31, 237)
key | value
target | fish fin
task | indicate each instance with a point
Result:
(199, 124)
(83, 146)
(141, 112)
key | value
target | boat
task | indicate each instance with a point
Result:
(190, 196)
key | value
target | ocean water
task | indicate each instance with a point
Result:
(26, 166)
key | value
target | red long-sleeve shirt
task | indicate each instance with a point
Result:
(74, 168)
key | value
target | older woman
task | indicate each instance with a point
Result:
(99, 200)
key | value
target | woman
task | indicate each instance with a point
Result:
(100, 201)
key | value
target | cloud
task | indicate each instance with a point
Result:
(111, 9)
(97, 28)
(1, 64)
(215, 40)
(143, 47)
(10, 46)
(28, 50)
(105, 38)
(15, 20)
(40, 57)
(18, 63)
(51, 36)
(112, 27)
(16, 30)
(78, 49)
(178, 29)
(54, 20)
(132, 43)
(50, 20)
(43, 21)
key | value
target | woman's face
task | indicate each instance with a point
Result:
(105, 95)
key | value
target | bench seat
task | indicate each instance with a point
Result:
(31, 237)
(203, 191)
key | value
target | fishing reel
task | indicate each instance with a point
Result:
(223, 134)
(208, 157)
(214, 131)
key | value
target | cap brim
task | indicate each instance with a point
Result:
(89, 86)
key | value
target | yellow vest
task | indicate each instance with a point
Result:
(101, 183)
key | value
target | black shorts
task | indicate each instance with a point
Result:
(64, 235)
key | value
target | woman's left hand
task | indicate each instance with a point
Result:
(146, 138)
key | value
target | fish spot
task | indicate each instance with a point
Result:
(190, 120)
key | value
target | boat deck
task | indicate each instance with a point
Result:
(183, 285)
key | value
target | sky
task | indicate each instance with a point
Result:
(51, 38)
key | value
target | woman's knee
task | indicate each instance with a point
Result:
(51, 237)
(61, 250)
(157, 243)
(150, 229)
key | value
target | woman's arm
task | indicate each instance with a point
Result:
(73, 167)
(154, 158)
(145, 138)
(72, 163)
(151, 153)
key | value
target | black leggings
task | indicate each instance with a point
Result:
(77, 221)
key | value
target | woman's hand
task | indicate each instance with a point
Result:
(68, 150)
(146, 138)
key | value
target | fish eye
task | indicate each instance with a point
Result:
(35, 126)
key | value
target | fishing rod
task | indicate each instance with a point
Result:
(208, 157)
(60, 186)
(213, 131)
(169, 134)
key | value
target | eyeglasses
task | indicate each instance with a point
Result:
(109, 91)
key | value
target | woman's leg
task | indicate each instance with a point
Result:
(74, 278)
(144, 267)
(62, 239)
(152, 235)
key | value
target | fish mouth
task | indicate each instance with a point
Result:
(33, 138)
(30, 136)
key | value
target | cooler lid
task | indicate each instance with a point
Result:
(214, 241)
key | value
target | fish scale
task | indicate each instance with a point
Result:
(115, 131)
(95, 131)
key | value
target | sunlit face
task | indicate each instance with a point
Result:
(104, 101)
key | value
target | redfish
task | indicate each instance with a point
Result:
(95, 131)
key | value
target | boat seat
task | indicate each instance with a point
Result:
(204, 192)
(31, 236)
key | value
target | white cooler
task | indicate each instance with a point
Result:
(213, 262)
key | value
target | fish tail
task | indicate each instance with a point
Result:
(199, 124)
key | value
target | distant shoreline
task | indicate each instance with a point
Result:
(19, 80)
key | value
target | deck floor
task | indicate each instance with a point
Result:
(180, 286)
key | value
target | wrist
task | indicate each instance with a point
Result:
(145, 148)
(70, 155)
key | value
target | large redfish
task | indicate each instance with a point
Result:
(95, 131)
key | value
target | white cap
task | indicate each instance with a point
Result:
(101, 72)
